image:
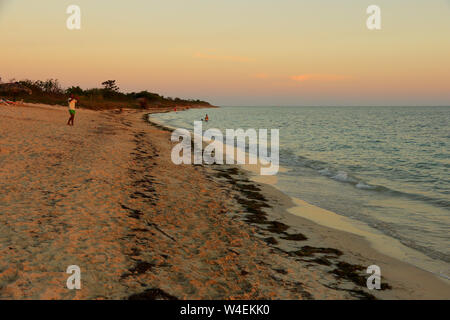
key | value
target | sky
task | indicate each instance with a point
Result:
(237, 52)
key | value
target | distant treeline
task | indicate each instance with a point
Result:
(106, 97)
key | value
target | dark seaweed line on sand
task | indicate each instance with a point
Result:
(144, 188)
(254, 202)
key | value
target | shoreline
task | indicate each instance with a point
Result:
(105, 196)
(370, 250)
(377, 240)
(406, 281)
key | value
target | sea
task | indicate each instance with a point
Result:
(386, 168)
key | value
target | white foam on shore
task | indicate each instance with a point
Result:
(379, 241)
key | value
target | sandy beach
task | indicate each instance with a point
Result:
(105, 196)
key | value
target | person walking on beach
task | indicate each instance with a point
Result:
(72, 103)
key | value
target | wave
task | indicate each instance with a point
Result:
(342, 176)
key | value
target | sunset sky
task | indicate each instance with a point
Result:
(237, 52)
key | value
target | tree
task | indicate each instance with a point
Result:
(148, 95)
(110, 85)
(52, 86)
(75, 90)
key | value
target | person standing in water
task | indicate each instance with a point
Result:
(206, 118)
(72, 104)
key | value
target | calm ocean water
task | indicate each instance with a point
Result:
(385, 166)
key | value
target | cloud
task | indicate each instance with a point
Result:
(319, 77)
(218, 57)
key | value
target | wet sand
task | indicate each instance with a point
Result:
(104, 195)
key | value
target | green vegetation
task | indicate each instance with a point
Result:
(107, 97)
